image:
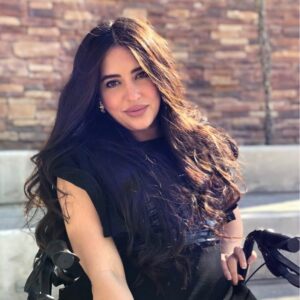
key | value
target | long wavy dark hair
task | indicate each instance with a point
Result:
(206, 154)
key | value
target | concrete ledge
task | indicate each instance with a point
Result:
(17, 253)
(265, 168)
(15, 168)
(271, 168)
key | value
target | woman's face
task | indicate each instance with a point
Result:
(128, 94)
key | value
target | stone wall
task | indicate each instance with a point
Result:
(218, 46)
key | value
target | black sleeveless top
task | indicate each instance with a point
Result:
(83, 169)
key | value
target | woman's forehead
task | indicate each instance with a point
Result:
(117, 59)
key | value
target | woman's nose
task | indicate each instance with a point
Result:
(132, 92)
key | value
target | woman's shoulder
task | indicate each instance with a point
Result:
(75, 167)
(77, 154)
(71, 157)
(74, 164)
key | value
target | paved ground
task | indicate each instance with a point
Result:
(273, 289)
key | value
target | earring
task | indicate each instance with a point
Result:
(101, 107)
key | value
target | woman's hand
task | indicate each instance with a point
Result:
(230, 263)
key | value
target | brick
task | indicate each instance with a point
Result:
(262, 114)
(179, 13)
(38, 94)
(214, 115)
(230, 54)
(239, 41)
(171, 26)
(39, 18)
(77, 15)
(11, 88)
(8, 136)
(291, 32)
(232, 107)
(21, 108)
(287, 94)
(41, 13)
(180, 55)
(11, 8)
(40, 5)
(8, 37)
(252, 48)
(291, 113)
(36, 49)
(25, 122)
(235, 113)
(9, 21)
(46, 76)
(135, 13)
(229, 27)
(290, 132)
(245, 16)
(12, 66)
(198, 5)
(216, 35)
(46, 31)
(40, 68)
(247, 121)
(285, 43)
(32, 136)
(285, 54)
(46, 117)
(222, 80)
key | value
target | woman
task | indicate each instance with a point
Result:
(141, 187)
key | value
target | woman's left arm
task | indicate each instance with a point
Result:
(232, 252)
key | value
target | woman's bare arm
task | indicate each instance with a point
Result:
(232, 252)
(233, 233)
(98, 255)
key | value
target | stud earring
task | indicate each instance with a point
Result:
(101, 107)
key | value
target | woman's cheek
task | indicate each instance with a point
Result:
(111, 99)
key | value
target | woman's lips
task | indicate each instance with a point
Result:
(138, 111)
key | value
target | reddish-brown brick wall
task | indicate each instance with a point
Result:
(217, 45)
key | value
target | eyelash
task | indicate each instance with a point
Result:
(143, 72)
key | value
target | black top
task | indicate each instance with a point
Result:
(83, 169)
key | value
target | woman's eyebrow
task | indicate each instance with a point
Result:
(117, 75)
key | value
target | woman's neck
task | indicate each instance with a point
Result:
(149, 133)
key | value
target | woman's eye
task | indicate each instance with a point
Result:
(111, 83)
(143, 74)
